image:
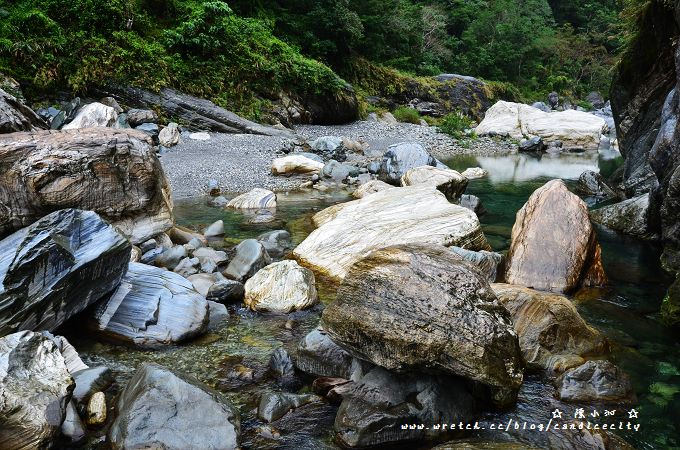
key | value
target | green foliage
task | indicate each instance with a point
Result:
(454, 124)
(406, 114)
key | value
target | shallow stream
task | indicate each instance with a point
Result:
(234, 359)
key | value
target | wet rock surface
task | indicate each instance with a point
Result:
(249, 257)
(274, 405)
(318, 355)
(595, 381)
(629, 217)
(57, 267)
(389, 305)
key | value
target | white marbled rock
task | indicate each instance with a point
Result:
(295, 164)
(258, 198)
(371, 187)
(93, 115)
(448, 181)
(169, 136)
(416, 214)
(281, 287)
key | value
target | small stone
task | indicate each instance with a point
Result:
(215, 229)
(96, 410)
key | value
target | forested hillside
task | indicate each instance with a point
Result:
(242, 53)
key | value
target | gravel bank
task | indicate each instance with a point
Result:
(240, 162)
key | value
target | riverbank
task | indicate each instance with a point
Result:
(240, 162)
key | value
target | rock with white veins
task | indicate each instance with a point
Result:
(472, 173)
(151, 308)
(256, 199)
(295, 164)
(416, 214)
(449, 182)
(93, 115)
(281, 287)
(169, 136)
(399, 158)
(370, 187)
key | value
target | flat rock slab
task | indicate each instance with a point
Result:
(160, 408)
(57, 267)
(417, 214)
(421, 308)
(151, 308)
(113, 172)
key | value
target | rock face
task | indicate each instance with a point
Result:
(196, 113)
(370, 187)
(594, 381)
(575, 129)
(35, 389)
(15, 116)
(399, 158)
(151, 308)
(449, 182)
(628, 217)
(552, 334)
(378, 410)
(160, 408)
(295, 164)
(391, 312)
(255, 199)
(554, 246)
(281, 287)
(418, 214)
(113, 172)
(93, 115)
(57, 267)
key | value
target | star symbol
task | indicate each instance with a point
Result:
(633, 413)
(557, 414)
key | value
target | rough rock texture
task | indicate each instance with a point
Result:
(169, 136)
(274, 405)
(196, 113)
(592, 184)
(370, 187)
(57, 267)
(418, 214)
(378, 410)
(113, 172)
(35, 389)
(281, 287)
(249, 257)
(136, 116)
(295, 164)
(160, 408)
(554, 246)
(594, 381)
(552, 334)
(628, 217)
(399, 158)
(642, 80)
(255, 199)
(15, 116)
(449, 182)
(575, 129)
(277, 242)
(93, 115)
(486, 262)
(151, 308)
(318, 355)
(91, 380)
(472, 173)
(419, 307)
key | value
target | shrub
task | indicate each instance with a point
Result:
(455, 124)
(406, 114)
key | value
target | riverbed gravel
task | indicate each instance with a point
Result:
(240, 162)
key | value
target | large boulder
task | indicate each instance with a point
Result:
(575, 129)
(417, 214)
(169, 136)
(399, 158)
(15, 116)
(35, 390)
(421, 308)
(554, 246)
(449, 182)
(249, 257)
(196, 113)
(57, 267)
(318, 355)
(552, 334)
(281, 287)
(257, 198)
(628, 217)
(595, 381)
(151, 308)
(295, 164)
(159, 408)
(385, 408)
(93, 115)
(113, 172)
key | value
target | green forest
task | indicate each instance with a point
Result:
(241, 52)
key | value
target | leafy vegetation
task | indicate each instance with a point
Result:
(455, 124)
(407, 114)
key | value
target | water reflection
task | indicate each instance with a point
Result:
(524, 167)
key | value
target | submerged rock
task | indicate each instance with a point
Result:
(552, 334)
(385, 408)
(57, 267)
(449, 182)
(249, 257)
(281, 287)
(417, 214)
(595, 381)
(400, 158)
(35, 390)
(628, 217)
(113, 172)
(159, 408)
(274, 405)
(215, 229)
(255, 199)
(151, 308)
(554, 246)
(399, 299)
